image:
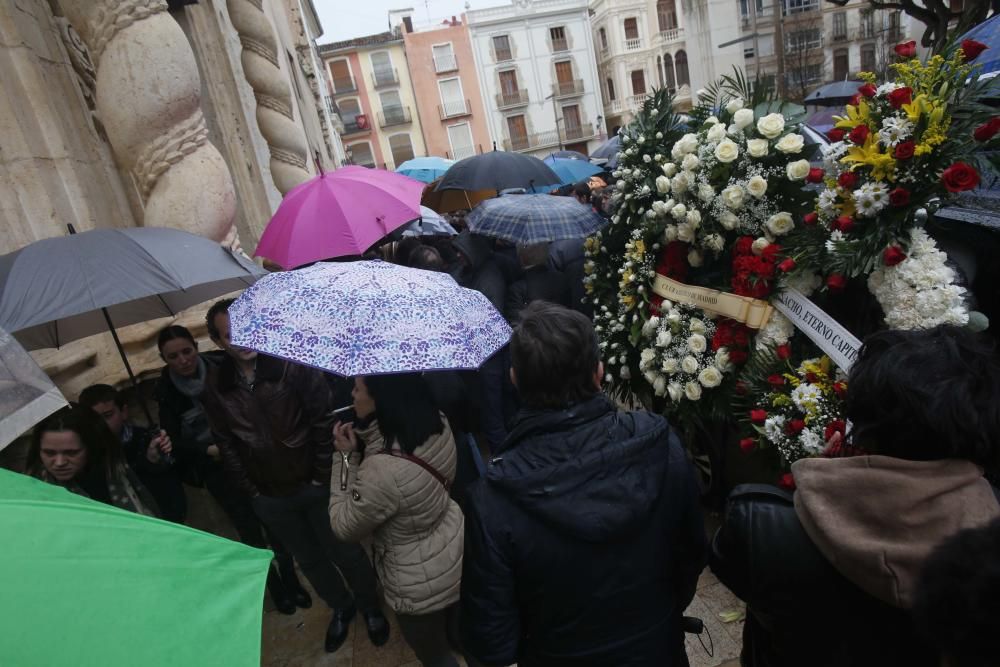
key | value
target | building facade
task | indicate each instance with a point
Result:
(647, 44)
(373, 92)
(537, 75)
(443, 68)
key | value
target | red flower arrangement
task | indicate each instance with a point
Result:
(893, 255)
(753, 275)
(960, 177)
(906, 49)
(971, 49)
(987, 130)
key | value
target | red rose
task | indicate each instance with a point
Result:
(795, 426)
(787, 481)
(900, 96)
(840, 389)
(738, 357)
(758, 416)
(899, 197)
(986, 131)
(855, 100)
(906, 49)
(844, 223)
(868, 90)
(787, 265)
(747, 445)
(835, 134)
(858, 134)
(836, 426)
(904, 150)
(835, 282)
(810, 219)
(783, 351)
(959, 177)
(971, 49)
(776, 380)
(893, 255)
(815, 175)
(847, 180)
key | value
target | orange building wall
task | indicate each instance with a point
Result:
(366, 106)
(420, 60)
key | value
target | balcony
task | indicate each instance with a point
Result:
(448, 63)
(394, 116)
(633, 44)
(385, 77)
(357, 125)
(512, 98)
(529, 142)
(344, 85)
(671, 36)
(454, 109)
(567, 88)
(560, 44)
(577, 132)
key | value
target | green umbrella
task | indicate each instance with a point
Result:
(87, 584)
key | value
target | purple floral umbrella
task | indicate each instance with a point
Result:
(368, 318)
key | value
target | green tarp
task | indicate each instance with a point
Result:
(83, 583)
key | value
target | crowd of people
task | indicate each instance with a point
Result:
(582, 540)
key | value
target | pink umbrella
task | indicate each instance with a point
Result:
(338, 213)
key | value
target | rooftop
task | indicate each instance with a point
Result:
(387, 37)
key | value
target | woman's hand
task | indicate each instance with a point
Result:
(344, 438)
(158, 446)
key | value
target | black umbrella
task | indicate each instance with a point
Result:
(499, 170)
(834, 94)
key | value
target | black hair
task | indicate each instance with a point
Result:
(403, 253)
(100, 393)
(926, 395)
(427, 258)
(218, 307)
(957, 601)
(405, 409)
(103, 448)
(582, 190)
(555, 354)
(173, 332)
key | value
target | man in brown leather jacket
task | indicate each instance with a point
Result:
(272, 423)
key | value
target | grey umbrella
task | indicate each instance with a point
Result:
(27, 395)
(832, 94)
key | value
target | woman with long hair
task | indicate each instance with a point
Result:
(391, 482)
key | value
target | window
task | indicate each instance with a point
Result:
(804, 75)
(382, 71)
(444, 58)
(867, 17)
(452, 99)
(681, 62)
(895, 34)
(638, 82)
(558, 37)
(603, 34)
(868, 58)
(765, 45)
(611, 89)
(508, 82)
(745, 8)
(460, 138)
(361, 153)
(798, 6)
(631, 28)
(841, 65)
(350, 113)
(804, 40)
(668, 73)
(401, 147)
(343, 82)
(564, 78)
(501, 48)
(572, 126)
(393, 111)
(840, 26)
(666, 14)
(659, 69)
(518, 131)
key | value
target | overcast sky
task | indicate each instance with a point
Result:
(344, 19)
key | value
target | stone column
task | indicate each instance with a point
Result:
(275, 116)
(148, 100)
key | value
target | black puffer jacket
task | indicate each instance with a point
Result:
(583, 543)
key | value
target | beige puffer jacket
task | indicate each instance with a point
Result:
(417, 529)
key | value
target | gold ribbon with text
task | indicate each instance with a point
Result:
(752, 312)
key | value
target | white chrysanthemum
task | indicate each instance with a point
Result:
(870, 199)
(695, 258)
(689, 364)
(811, 442)
(807, 397)
(692, 391)
(710, 377)
(894, 130)
(697, 343)
(669, 169)
(714, 242)
(827, 201)
(660, 386)
(887, 88)
(777, 331)
(774, 428)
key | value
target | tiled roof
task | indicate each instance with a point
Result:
(362, 42)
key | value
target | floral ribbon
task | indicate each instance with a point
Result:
(836, 342)
(752, 312)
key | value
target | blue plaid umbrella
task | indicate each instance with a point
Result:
(368, 318)
(528, 219)
(571, 171)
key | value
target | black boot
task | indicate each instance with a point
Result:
(377, 625)
(292, 584)
(340, 624)
(279, 595)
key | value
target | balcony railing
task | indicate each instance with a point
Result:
(567, 88)
(635, 101)
(448, 63)
(577, 132)
(454, 109)
(357, 125)
(385, 77)
(633, 44)
(512, 98)
(527, 142)
(394, 116)
(503, 54)
(344, 85)
(672, 35)
(560, 44)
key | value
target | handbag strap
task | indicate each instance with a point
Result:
(420, 462)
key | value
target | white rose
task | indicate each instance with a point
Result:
(649, 328)
(694, 218)
(675, 391)
(780, 223)
(670, 365)
(757, 147)
(797, 170)
(646, 356)
(663, 338)
(716, 133)
(710, 377)
(696, 343)
(692, 391)
(688, 143)
(733, 197)
(758, 246)
(790, 143)
(647, 159)
(743, 118)
(662, 185)
(650, 376)
(722, 358)
(711, 120)
(680, 182)
(669, 169)
(625, 373)
(715, 242)
(727, 151)
(657, 205)
(706, 192)
(728, 220)
(771, 125)
(734, 105)
(642, 138)
(690, 162)
(670, 233)
(757, 186)
(689, 364)
(697, 326)
(685, 233)
(660, 386)
(695, 258)
(679, 211)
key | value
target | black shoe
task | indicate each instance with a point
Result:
(293, 586)
(279, 595)
(378, 627)
(337, 631)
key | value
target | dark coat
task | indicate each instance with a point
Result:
(160, 479)
(540, 283)
(583, 543)
(568, 257)
(481, 271)
(191, 442)
(278, 436)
